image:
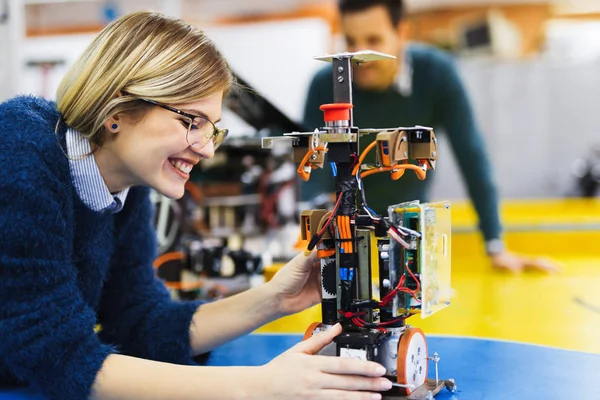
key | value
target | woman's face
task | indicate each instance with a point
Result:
(154, 151)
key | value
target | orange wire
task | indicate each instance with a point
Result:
(304, 175)
(184, 285)
(349, 233)
(164, 258)
(341, 230)
(363, 155)
(325, 253)
(345, 233)
(420, 173)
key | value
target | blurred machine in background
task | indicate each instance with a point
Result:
(586, 171)
(239, 211)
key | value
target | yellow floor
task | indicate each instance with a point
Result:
(561, 310)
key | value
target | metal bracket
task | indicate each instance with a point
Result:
(358, 56)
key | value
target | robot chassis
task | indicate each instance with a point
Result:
(410, 248)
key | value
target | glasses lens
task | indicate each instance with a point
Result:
(220, 136)
(200, 131)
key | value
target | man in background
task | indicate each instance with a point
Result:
(420, 87)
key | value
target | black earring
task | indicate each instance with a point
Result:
(114, 126)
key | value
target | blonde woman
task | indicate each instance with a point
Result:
(136, 111)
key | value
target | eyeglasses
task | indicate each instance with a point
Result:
(200, 130)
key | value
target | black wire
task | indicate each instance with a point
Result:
(317, 238)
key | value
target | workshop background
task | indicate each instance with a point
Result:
(532, 71)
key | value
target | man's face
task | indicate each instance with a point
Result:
(372, 29)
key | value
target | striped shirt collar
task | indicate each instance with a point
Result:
(87, 179)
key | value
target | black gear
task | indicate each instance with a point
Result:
(328, 277)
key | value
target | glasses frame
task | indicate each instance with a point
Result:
(217, 132)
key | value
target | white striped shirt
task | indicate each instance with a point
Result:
(87, 179)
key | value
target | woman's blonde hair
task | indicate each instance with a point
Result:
(140, 55)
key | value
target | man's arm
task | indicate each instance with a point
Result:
(455, 114)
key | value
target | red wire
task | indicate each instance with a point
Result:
(388, 297)
(354, 162)
(349, 314)
(415, 278)
(360, 322)
(331, 216)
(392, 321)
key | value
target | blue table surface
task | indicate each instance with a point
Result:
(483, 369)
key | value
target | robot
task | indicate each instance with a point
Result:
(405, 256)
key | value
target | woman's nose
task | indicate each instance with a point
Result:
(205, 151)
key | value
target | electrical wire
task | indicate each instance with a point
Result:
(362, 157)
(421, 174)
(394, 235)
(304, 175)
(317, 238)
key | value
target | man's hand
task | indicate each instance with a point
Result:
(507, 261)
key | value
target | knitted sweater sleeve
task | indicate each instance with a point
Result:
(136, 311)
(47, 329)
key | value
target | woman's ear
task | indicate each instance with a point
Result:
(112, 125)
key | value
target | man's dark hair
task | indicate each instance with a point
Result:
(395, 8)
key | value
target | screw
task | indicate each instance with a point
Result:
(313, 157)
(405, 154)
(436, 360)
(340, 69)
(433, 154)
(394, 372)
(340, 79)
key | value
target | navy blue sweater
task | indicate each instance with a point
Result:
(65, 268)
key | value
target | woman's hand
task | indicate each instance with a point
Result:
(299, 374)
(297, 285)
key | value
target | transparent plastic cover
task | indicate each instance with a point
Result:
(434, 248)
(435, 265)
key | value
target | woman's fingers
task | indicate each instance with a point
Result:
(315, 343)
(356, 383)
(349, 366)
